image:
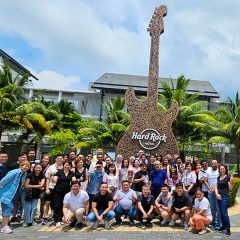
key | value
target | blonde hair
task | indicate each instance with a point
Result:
(25, 163)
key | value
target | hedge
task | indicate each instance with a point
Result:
(233, 192)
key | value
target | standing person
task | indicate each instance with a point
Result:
(145, 207)
(9, 189)
(165, 165)
(131, 160)
(189, 181)
(31, 156)
(95, 178)
(72, 157)
(34, 182)
(102, 205)
(195, 163)
(163, 204)
(211, 182)
(3, 161)
(100, 157)
(108, 161)
(50, 185)
(202, 215)
(157, 178)
(181, 170)
(81, 173)
(22, 156)
(111, 177)
(151, 166)
(173, 177)
(125, 200)
(224, 184)
(135, 167)
(62, 179)
(140, 179)
(75, 206)
(171, 160)
(88, 161)
(119, 160)
(181, 206)
(123, 171)
(202, 175)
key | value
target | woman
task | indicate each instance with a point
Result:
(173, 177)
(10, 186)
(62, 179)
(111, 177)
(123, 171)
(202, 215)
(224, 183)
(165, 165)
(181, 170)
(135, 168)
(33, 185)
(131, 160)
(81, 173)
(189, 181)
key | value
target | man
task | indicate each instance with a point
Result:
(98, 151)
(158, 177)
(88, 161)
(75, 206)
(72, 156)
(202, 175)
(22, 156)
(100, 157)
(31, 156)
(170, 159)
(145, 207)
(50, 185)
(211, 181)
(125, 199)
(102, 205)
(151, 166)
(140, 154)
(95, 178)
(140, 179)
(3, 161)
(181, 206)
(163, 204)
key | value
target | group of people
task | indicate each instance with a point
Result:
(77, 189)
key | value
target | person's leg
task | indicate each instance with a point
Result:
(187, 215)
(71, 215)
(150, 217)
(118, 213)
(110, 215)
(199, 221)
(57, 205)
(140, 216)
(33, 208)
(79, 214)
(211, 198)
(7, 210)
(91, 217)
(132, 213)
(224, 212)
(27, 211)
(165, 215)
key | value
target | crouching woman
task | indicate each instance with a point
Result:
(9, 190)
(202, 215)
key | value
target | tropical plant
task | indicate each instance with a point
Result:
(226, 128)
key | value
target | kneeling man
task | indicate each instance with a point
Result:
(102, 205)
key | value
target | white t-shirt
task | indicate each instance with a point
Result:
(204, 204)
(93, 165)
(51, 172)
(212, 177)
(189, 178)
(76, 202)
(203, 174)
(125, 198)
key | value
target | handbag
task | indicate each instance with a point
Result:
(28, 195)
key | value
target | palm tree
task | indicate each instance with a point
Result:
(193, 118)
(226, 128)
(11, 96)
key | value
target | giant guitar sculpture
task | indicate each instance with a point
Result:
(150, 129)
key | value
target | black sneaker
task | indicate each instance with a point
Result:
(228, 232)
(78, 226)
(72, 224)
(44, 221)
(221, 229)
(131, 223)
(117, 224)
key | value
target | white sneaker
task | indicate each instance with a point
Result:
(107, 224)
(202, 232)
(164, 221)
(58, 224)
(95, 225)
(6, 229)
(172, 223)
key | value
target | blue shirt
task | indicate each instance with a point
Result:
(158, 178)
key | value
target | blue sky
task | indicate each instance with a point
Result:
(69, 43)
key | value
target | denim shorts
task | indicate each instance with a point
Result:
(7, 209)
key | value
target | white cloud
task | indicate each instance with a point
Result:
(54, 80)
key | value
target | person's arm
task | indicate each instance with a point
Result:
(218, 196)
(230, 183)
(200, 212)
(65, 210)
(47, 186)
(110, 206)
(86, 181)
(8, 178)
(138, 180)
(54, 179)
(95, 211)
(27, 185)
(142, 210)
(86, 204)
(150, 210)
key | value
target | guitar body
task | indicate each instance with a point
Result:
(146, 115)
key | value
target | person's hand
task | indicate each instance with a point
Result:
(212, 190)
(177, 209)
(158, 205)
(219, 197)
(47, 191)
(145, 216)
(67, 220)
(84, 217)
(99, 218)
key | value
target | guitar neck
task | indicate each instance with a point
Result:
(152, 92)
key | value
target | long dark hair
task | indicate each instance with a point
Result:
(111, 165)
(122, 166)
(173, 175)
(33, 171)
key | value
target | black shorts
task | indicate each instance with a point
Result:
(49, 197)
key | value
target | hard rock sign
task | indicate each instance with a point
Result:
(150, 129)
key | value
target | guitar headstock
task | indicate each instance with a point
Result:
(156, 25)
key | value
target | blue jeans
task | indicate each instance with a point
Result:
(216, 222)
(223, 207)
(30, 210)
(92, 218)
(119, 211)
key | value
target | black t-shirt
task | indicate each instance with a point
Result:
(63, 182)
(223, 188)
(82, 174)
(87, 166)
(146, 201)
(138, 186)
(35, 180)
(102, 200)
(181, 201)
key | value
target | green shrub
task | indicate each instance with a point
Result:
(233, 192)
